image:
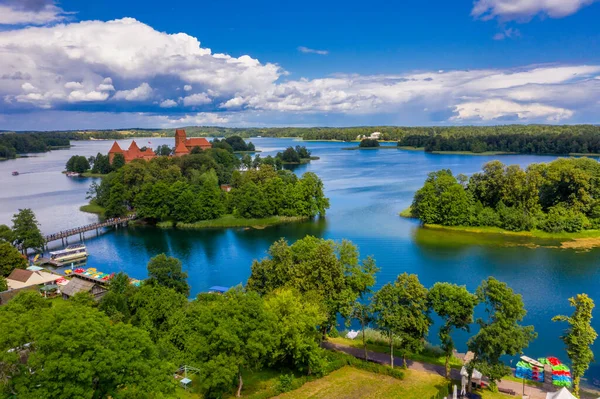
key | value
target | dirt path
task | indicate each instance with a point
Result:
(384, 358)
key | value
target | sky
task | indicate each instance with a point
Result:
(75, 64)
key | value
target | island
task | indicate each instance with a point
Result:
(202, 188)
(559, 200)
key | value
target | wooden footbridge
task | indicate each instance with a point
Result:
(64, 235)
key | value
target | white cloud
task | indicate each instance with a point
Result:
(73, 85)
(168, 104)
(196, 99)
(524, 10)
(488, 110)
(140, 93)
(83, 96)
(508, 33)
(27, 86)
(106, 85)
(305, 50)
(201, 118)
(16, 13)
(67, 66)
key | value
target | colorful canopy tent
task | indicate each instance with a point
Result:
(562, 394)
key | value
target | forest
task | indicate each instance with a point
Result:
(131, 342)
(559, 196)
(13, 144)
(187, 189)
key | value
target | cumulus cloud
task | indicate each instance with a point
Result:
(497, 109)
(140, 93)
(524, 10)
(168, 104)
(306, 50)
(196, 99)
(128, 67)
(30, 12)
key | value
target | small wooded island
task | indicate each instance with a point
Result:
(209, 187)
(560, 199)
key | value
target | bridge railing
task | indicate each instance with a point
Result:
(89, 227)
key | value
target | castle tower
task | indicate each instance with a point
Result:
(179, 137)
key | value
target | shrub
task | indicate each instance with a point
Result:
(561, 219)
(285, 382)
(488, 217)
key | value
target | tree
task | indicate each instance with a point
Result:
(579, 337)
(115, 205)
(401, 310)
(289, 155)
(233, 332)
(115, 303)
(101, 164)
(164, 150)
(78, 163)
(364, 314)
(210, 199)
(111, 360)
(500, 334)
(3, 284)
(366, 143)
(166, 271)
(455, 306)
(296, 319)
(6, 234)
(26, 231)
(118, 161)
(323, 268)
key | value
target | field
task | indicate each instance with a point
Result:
(349, 382)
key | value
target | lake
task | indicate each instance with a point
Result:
(367, 189)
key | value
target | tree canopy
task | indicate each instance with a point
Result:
(166, 271)
(500, 333)
(26, 231)
(579, 337)
(560, 196)
(78, 163)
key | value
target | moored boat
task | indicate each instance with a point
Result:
(15, 173)
(73, 174)
(69, 254)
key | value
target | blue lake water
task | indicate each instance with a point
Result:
(367, 189)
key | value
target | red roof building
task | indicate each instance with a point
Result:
(134, 152)
(184, 145)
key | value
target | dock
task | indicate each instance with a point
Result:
(112, 222)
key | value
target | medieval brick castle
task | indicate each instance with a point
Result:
(183, 146)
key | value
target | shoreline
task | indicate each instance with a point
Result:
(584, 240)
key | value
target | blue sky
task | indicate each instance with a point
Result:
(110, 64)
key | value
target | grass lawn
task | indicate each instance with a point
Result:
(92, 207)
(349, 382)
(90, 174)
(425, 356)
(231, 221)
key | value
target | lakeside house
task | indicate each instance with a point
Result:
(21, 278)
(183, 146)
(81, 284)
(373, 136)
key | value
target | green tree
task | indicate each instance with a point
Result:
(233, 332)
(296, 319)
(6, 234)
(110, 360)
(289, 155)
(3, 284)
(579, 337)
(309, 199)
(163, 150)
(101, 164)
(368, 143)
(115, 204)
(115, 303)
(210, 199)
(26, 231)
(455, 306)
(10, 259)
(166, 271)
(78, 163)
(363, 313)
(401, 311)
(323, 268)
(500, 333)
(118, 162)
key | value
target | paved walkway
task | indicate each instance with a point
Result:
(384, 358)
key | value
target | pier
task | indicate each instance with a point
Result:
(64, 235)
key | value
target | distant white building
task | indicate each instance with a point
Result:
(374, 136)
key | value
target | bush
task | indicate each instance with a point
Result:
(559, 219)
(515, 218)
(285, 382)
(333, 333)
(369, 143)
(488, 217)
